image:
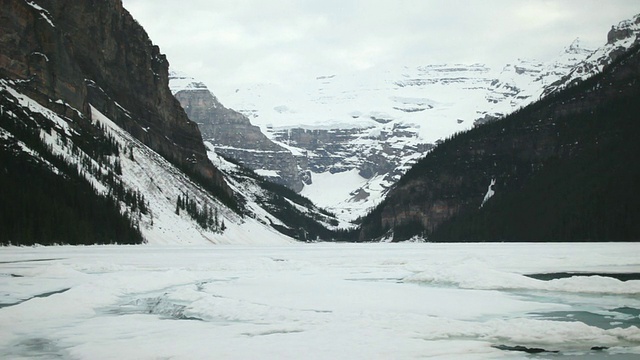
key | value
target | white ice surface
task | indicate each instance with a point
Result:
(312, 301)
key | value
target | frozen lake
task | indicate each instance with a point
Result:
(321, 301)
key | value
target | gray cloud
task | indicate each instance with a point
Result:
(229, 43)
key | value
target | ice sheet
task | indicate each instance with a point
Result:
(316, 301)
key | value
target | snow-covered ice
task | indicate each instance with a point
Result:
(318, 301)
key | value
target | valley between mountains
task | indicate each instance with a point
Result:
(410, 211)
(420, 151)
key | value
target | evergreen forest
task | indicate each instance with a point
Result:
(46, 201)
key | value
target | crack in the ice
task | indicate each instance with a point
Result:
(30, 260)
(43, 295)
(274, 332)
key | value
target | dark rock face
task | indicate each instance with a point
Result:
(622, 31)
(94, 52)
(235, 137)
(36, 52)
(328, 148)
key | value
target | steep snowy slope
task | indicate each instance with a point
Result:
(619, 39)
(137, 168)
(357, 133)
(256, 168)
(279, 207)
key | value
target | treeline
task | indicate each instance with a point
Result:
(206, 216)
(44, 200)
(104, 165)
(38, 206)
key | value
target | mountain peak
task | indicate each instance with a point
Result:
(179, 81)
(576, 47)
(232, 134)
(625, 29)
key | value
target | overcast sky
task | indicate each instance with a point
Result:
(228, 43)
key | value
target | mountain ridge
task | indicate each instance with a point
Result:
(577, 144)
(55, 59)
(87, 97)
(368, 144)
(83, 87)
(365, 130)
(232, 133)
(620, 38)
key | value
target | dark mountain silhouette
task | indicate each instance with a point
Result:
(565, 169)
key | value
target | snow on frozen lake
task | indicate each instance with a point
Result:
(320, 301)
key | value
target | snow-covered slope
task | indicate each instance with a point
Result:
(146, 172)
(357, 133)
(277, 206)
(620, 38)
(180, 81)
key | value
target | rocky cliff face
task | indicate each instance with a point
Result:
(78, 81)
(232, 134)
(94, 52)
(369, 152)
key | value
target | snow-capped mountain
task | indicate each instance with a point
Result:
(357, 133)
(115, 158)
(561, 168)
(140, 170)
(232, 134)
(619, 39)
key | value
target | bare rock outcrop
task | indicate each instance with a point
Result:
(94, 52)
(233, 135)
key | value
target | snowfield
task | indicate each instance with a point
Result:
(320, 301)
(395, 113)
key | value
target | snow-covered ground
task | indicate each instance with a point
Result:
(318, 301)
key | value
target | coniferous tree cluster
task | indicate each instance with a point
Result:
(38, 206)
(104, 144)
(107, 170)
(206, 216)
(46, 200)
(590, 196)
(279, 201)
